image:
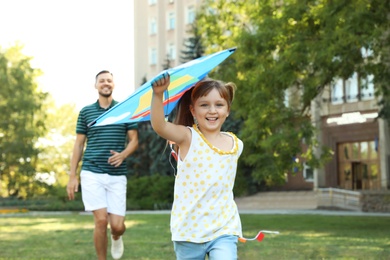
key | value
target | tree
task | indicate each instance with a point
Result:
(21, 123)
(144, 80)
(152, 155)
(167, 63)
(193, 47)
(295, 47)
(56, 147)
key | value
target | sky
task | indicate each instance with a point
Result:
(71, 41)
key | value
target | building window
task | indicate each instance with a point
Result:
(153, 56)
(171, 52)
(190, 17)
(292, 97)
(153, 26)
(367, 88)
(171, 21)
(353, 89)
(337, 91)
(308, 172)
(286, 100)
(366, 53)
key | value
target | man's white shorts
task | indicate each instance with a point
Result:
(104, 191)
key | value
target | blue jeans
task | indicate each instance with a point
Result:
(221, 248)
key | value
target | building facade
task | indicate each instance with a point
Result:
(345, 114)
(160, 29)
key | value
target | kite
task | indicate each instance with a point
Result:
(136, 108)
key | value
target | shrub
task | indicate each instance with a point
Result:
(150, 192)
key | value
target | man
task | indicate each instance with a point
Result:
(103, 173)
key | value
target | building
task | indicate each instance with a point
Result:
(160, 28)
(346, 118)
(348, 121)
(345, 115)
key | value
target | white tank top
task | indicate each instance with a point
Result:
(204, 207)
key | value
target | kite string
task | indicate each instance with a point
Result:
(166, 93)
(172, 153)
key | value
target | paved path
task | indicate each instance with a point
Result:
(257, 212)
(281, 202)
(291, 202)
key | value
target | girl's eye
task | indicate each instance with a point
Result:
(203, 105)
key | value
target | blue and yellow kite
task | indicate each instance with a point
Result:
(136, 107)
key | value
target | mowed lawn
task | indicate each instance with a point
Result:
(69, 236)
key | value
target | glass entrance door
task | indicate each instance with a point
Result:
(357, 178)
(358, 166)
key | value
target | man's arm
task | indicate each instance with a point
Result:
(117, 158)
(78, 151)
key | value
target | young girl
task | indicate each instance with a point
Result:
(204, 217)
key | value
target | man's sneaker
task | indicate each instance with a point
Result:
(117, 248)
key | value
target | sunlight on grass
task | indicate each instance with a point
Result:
(148, 237)
(14, 229)
(364, 248)
(43, 225)
(131, 223)
(313, 235)
(48, 225)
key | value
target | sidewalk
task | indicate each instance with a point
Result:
(291, 202)
(281, 202)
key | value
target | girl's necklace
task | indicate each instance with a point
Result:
(233, 151)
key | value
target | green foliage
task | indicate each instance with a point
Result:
(193, 47)
(152, 156)
(56, 146)
(167, 63)
(150, 192)
(21, 123)
(295, 48)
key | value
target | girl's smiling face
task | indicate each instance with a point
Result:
(210, 111)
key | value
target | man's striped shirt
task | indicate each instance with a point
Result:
(101, 140)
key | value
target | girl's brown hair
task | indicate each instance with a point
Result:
(201, 89)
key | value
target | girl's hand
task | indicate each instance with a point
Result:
(161, 83)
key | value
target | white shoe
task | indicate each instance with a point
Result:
(117, 248)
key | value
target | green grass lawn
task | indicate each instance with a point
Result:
(148, 237)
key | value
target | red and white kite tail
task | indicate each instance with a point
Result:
(259, 237)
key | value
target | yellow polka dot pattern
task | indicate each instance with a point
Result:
(204, 207)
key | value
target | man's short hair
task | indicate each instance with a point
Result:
(102, 72)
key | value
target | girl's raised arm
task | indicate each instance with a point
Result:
(166, 130)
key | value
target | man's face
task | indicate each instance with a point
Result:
(105, 84)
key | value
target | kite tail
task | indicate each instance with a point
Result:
(259, 237)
